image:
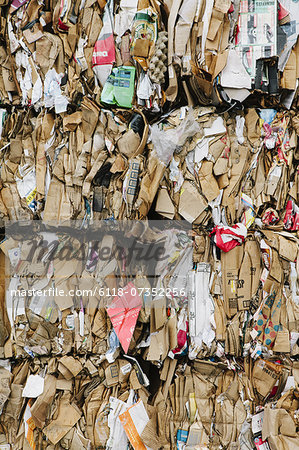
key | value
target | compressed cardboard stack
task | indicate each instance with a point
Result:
(54, 53)
(149, 204)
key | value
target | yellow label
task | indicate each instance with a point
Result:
(232, 286)
(192, 406)
(31, 196)
(249, 218)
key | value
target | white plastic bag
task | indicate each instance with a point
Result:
(171, 141)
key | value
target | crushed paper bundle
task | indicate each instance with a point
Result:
(149, 219)
(147, 53)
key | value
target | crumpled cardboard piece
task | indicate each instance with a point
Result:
(67, 416)
(5, 386)
(40, 407)
(164, 205)
(277, 423)
(231, 262)
(191, 203)
(69, 367)
(264, 376)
